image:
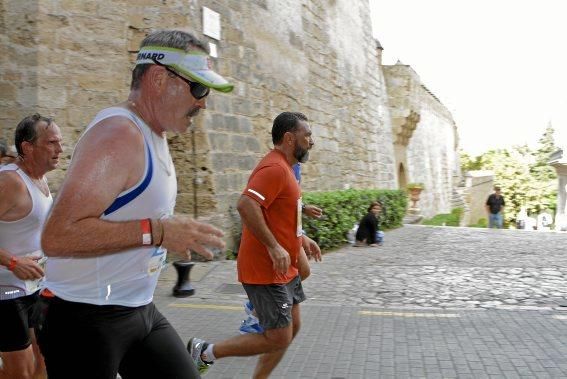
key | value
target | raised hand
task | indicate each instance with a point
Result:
(313, 211)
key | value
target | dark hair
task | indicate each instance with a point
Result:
(373, 204)
(285, 122)
(166, 38)
(3, 149)
(26, 131)
(497, 188)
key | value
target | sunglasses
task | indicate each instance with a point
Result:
(198, 90)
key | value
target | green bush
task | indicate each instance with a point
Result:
(445, 219)
(411, 186)
(482, 223)
(342, 209)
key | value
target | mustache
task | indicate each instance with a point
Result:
(193, 112)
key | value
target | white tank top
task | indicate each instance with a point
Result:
(23, 237)
(129, 277)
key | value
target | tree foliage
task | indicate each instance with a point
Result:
(523, 174)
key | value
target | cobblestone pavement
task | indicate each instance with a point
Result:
(430, 303)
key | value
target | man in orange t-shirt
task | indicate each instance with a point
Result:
(272, 186)
(270, 207)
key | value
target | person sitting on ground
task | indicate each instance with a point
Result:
(368, 232)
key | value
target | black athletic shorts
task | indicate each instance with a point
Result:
(273, 302)
(81, 340)
(17, 319)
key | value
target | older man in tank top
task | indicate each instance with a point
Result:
(25, 201)
(113, 222)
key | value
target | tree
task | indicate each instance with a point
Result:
(545, 177)
(511, 173)
(468, 163)
(523, 174)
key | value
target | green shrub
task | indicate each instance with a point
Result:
(445, 219)
(481, 223)
(231, 255)
(342, 209)
(411, 186)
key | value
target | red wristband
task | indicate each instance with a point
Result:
(13, 263)
(146, 225)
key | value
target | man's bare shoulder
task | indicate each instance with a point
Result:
(114, 135)
(107, 159)
(114, 129)
(12, 190)
(11, 183)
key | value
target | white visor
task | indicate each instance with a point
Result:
(193, 65)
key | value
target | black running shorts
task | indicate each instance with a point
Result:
(273, 302)
(81, 340)
(16, 315)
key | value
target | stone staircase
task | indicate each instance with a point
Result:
(411, 218)
(458, 200)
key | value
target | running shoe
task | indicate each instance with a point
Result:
(196, 346)
(251, 325)
(248, 308)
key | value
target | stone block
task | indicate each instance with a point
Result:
(216, 122)
(232, 123)
(295, 40)
(244, 125)
(135, 37)
(241, 106)
(221, 103)
(238, 143)
(8, 89)
(88, 7)
(241, 71)
(220, 161)
(234, 35)
(246, 162)
(253, 145)
(219, 142)
(27, 97)
(97, 82)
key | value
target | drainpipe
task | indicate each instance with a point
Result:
(195, 173)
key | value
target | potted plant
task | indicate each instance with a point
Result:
(411, 186)
(414, 191)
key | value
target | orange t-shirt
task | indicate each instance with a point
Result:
(273, 185)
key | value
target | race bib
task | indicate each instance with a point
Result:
(33, 285)
(157, 261)
(299, 231)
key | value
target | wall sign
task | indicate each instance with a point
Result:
(211, 23)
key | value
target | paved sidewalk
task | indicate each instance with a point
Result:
(430, 303)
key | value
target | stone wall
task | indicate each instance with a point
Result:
(69, 59)
(479, 185)
(559, 161)
(425, 138)
(65, 59)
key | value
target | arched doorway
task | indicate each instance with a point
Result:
(402, 179)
